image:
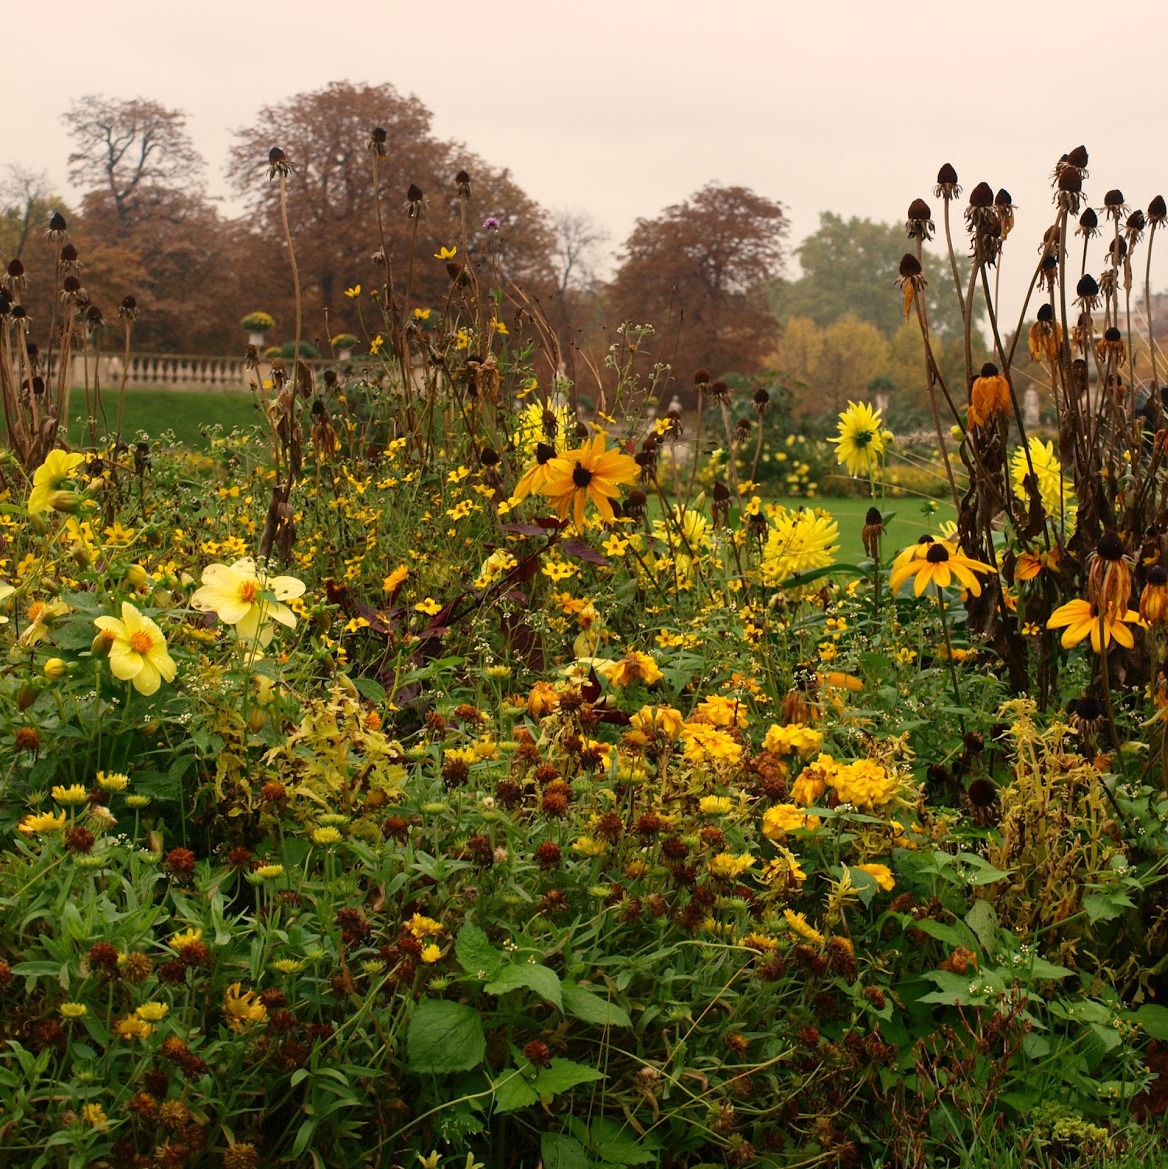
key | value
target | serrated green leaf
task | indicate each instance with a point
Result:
(562, 1074)
(561, 1152)
(1153, 1018)
(529, 975)
(514, 1091)
(589, 1006)
(444, 1037)
(475, 953)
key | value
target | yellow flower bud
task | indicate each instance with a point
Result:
(26, 696)
(257, 719)
(136, 576)
(102, 644)
(66, 501)
(55, 668)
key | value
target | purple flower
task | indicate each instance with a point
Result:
(491, 223)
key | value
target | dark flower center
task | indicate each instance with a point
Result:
(581, 476)
(937, 554)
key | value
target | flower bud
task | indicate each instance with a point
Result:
(55, 669)
(102, 644)
(136, 576)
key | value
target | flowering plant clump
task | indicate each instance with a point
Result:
(464, 767)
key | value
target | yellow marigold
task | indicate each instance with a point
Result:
(543, 699)
(716, 805)
(720, 711)
(423, 927)
(864, 783)
(241, 1009)
(112, 781)
(589, 846)
(795, 738)
(94, 1116)
(808, 787)
(268, 872)
(633, 667)
(665, 719)
(764, 943)
(728, 865)
(186, 938)
(706, 744)
(152, 1012)
(800, 925)
(431, 953)
(326, 836)
(784, 818)
(882, 874)
(73, 1010)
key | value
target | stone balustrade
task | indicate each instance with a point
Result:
(171, 371)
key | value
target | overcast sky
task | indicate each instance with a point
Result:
(621, 107)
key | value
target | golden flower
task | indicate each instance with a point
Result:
(799, 925)
(431, 954)
(665, 719)
(794, 738)
(799, 540)
(241, 1009)
(1080, 619)
(391, 583)
(1055, 489)
(941, 563)
(729, 866)
(864, 783)
(543, 699)
(138, 652)
(50, 476)
(93, 1115)
(808, 787)
(707, 744)
(73, 1010)
(1028, 565)
(881, 873)
(590, 472)
(715, 805)
(633, 667)
(186, 938)
(423, 927)
(1154, 598)
(989, 396)
(861, 441)
(784, 818)
(248, 598)
(326, 836)
(42, 824)
(267, 872)
(70, 796)
(41, 615)
(152, 1012)
(131, 1027)
(112, 781)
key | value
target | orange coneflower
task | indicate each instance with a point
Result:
(1045, 336)
(1154, 598)
(989, 396)
(1109, 575)
(940, 565)
(588, 472)
(1080, 619)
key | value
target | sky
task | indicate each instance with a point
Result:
(619, 108)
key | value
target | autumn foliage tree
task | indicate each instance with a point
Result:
(333, 212)
(697, 273)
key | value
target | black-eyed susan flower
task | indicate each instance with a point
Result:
(989, 396)
(861, 440)
(590, 472)
(1109, 579)
(1045, 336)
(1154, 598)
(1080, 619)
(941, 564)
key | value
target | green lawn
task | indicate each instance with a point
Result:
(188, 413)
(907, 523)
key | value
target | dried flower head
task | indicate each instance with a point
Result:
(377, 138)
(919, 223)
(278, 164)
(947, 186)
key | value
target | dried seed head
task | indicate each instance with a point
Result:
(1113, 199)
(1158, 575)
(721, 492)
(1078, 157)
(128, 309)
(910, 266)
(981, 196)
(377, 141)
(1045, 313)
(1157, 210)
(873, 517)
(278, 164)
(1110, 546)
(701, 377)
(761, 399)
(919, 224)
(462, 183)
(1087, 287)
(1002, 199)
(415, 201)
(15, 269)
(947, 186)
(919, 209)
(1112, 334)
(1070, 181)
(989, 370)
(1135, 223)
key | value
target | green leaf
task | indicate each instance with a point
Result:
(370, 689)
(1154, 1020)
(531, 975)
(1041, 968)
(586, 1005)
(561, 1075)
(444, 1037)
(561, 1152)
(1106, 906)
(982, 919)
(514, 1091)
(618, 1144)
(475, 953)
(303, 1136)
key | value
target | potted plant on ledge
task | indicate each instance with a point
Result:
(257, 325)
